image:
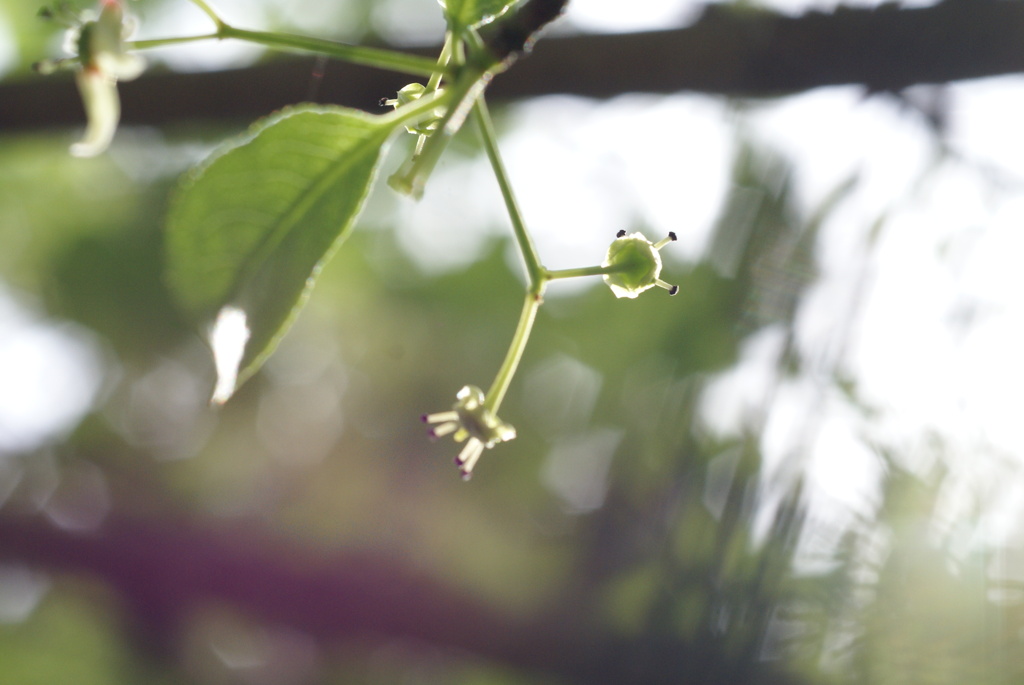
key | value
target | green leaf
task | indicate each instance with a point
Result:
(249, 230)
(464, 14)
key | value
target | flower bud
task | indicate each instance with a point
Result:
(411, 93)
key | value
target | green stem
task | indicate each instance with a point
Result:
(163, 42)
(435, 82)
(584, 271)
(496, 393)
(442, 62)
(372, 57)
(536, 273)
(201, 4)
(538, 276)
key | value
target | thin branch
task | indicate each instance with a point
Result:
(514, 35)
(728, 52)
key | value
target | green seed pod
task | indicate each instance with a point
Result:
(633, 265)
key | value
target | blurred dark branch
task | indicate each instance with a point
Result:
(513, 34)
(728, 51)
(165, 569)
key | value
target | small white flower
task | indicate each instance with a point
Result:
(470, 419)
(97, 44)
(634, 265)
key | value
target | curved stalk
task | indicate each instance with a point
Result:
(534, 271)
(496, 393)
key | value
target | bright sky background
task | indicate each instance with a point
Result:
(50, 374)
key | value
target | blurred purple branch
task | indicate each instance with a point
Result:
(165, 569)
(728, 51)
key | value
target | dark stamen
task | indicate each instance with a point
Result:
(621, 233)
(672, 235)
(673, 290)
